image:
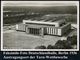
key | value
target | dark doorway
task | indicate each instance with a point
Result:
(34, 31)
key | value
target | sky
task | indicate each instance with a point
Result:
(39, 3)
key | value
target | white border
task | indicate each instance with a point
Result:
(76, 2)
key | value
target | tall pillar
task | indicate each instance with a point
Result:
(26, 29)
(42, 32)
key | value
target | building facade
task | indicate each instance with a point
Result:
(44, 27)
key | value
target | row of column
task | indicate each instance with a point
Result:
(52, 31)
(37, 31)
(41, 31)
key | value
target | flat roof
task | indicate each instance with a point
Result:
(48, 18)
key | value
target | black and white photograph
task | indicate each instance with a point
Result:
(40, 26)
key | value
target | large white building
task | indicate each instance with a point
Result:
(47, 25)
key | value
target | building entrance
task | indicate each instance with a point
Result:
(34, 31)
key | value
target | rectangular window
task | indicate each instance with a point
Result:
(34, 31)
